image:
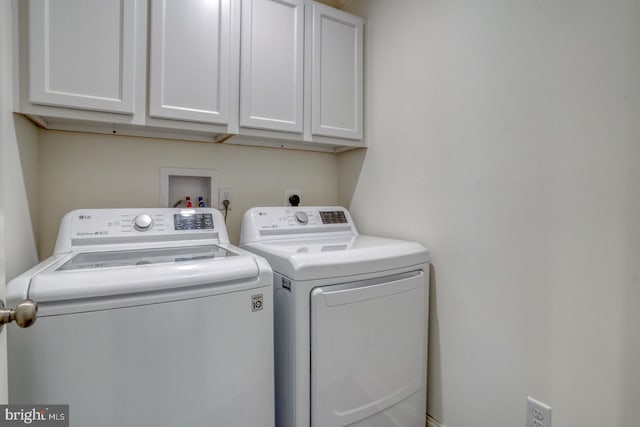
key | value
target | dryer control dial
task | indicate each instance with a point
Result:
(143, 222)
(301, 217)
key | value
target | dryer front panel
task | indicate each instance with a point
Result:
(368, 352)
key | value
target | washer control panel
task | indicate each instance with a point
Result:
(86, 225)
(197, 221)
(143, 222)
(302, 217)
(103, 223)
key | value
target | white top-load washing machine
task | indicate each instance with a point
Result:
(351, 315)
(147, 317)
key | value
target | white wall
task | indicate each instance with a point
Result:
(504, 135)
(18, 158)
(94, 171)
(5, 114)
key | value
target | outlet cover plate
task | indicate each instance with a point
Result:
(538, 414)
(225, 194)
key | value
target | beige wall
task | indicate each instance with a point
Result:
(504, 135)
(97, 171)
(21, 192)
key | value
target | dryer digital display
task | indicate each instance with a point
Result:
(333, 217)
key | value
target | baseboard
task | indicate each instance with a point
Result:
(431, 422)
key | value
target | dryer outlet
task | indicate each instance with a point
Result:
(289, 193)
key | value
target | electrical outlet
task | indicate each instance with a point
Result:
(225, 194)
(289, 193)
(538, 414)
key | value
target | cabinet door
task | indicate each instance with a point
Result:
(271, 82)
(82, 54)
(190, 59)
(337, 73)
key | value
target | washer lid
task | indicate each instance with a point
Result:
(319, 258)
(113, 273)
(136, 257)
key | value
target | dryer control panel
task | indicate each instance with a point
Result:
(271, 222)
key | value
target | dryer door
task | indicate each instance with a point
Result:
(368, 352)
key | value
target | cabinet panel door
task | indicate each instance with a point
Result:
(271, 83)
(189, 62)
(82, 54)
(337, 73)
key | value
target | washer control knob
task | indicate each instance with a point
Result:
(143, 222)
(301, 217)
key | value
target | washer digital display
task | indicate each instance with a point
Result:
(193, 222)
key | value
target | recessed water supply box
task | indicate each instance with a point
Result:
(178, 183)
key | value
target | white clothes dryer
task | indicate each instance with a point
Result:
(351, 314)
(147, 317)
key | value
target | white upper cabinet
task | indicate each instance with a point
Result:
(82, 54)
(336, 73)
(271, 70)
(309, 91)
(190, 60)
(282, 73)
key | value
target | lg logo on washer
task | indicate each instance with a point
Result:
(256, 302)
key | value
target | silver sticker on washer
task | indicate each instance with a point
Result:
(256, 302)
